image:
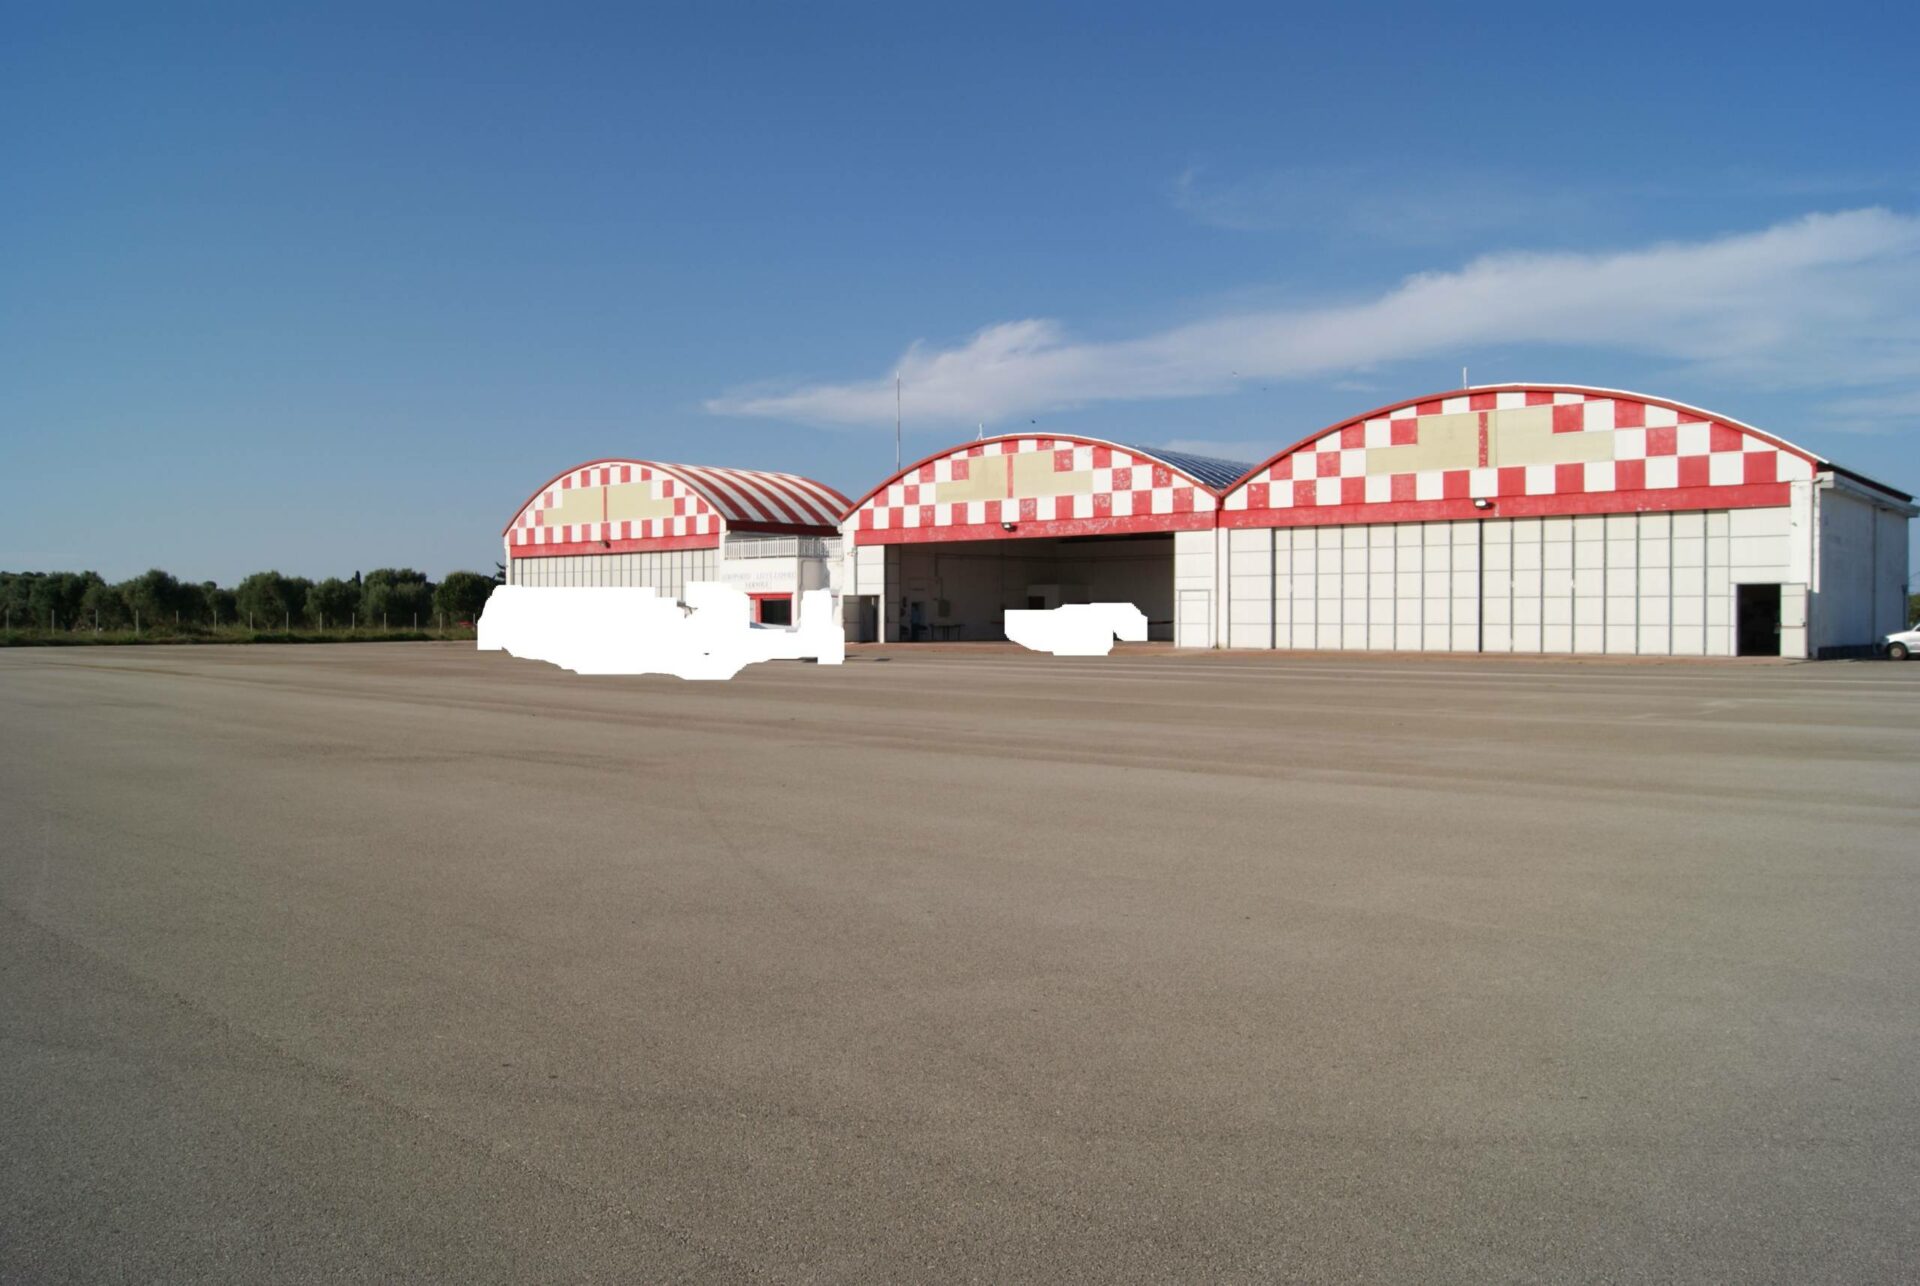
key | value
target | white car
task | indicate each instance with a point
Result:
(1903, 644)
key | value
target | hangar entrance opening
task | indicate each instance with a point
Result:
(1757, 617)
(960, 590)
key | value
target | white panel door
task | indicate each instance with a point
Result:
(1654, 584)
(1193, 620)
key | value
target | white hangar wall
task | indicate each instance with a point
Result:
(1657, 583)
(667, 570)
(1860, 589)
(1197, 588)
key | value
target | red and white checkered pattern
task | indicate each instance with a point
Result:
(692, 515)
(1124, 485)
(1651, 447)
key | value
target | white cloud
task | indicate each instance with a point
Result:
(1823, 302)
(1887, 411)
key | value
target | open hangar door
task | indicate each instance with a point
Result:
(961, 590)
(942, 550)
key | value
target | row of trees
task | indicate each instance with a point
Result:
(396, 596)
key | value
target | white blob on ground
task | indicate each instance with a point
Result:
(607, 630)
(1077, 629)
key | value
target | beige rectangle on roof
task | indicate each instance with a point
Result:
(1033, 475)
(575, 504)
(1444, 442)
(1524, 435)
(632, 501)
(986, 480)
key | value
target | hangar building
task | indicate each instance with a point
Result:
(637, 522)
(1513, 518)
(1552, 518)
(944, 547)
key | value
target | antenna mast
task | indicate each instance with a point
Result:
(896, 421)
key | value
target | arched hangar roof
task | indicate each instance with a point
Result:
(629, 504)
(747, 497)
(1519, 450)
(1042, 485)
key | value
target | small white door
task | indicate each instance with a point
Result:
(1793, 620)
(1193, 618)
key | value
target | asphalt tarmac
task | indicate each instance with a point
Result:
(404, 962)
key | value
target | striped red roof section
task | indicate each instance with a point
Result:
(750, 498)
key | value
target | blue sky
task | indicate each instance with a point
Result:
(325, 288)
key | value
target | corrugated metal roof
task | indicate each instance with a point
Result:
(1212, 470)
(755, 497)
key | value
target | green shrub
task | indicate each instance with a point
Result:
(333, 602)
(396, 597)
(266, 600)
(461, 595)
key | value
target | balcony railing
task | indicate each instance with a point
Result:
(783, 547)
